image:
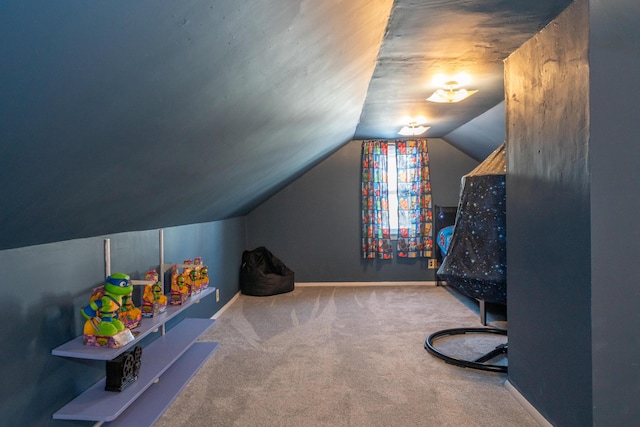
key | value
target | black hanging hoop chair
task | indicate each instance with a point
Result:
(483, 362)
(475, 262)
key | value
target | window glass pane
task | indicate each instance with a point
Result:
(393, 190)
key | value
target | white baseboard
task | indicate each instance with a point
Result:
(345, 284)
(224, 307)
(527, 406)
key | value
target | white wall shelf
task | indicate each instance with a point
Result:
(167, 364)
(76, 349)
(150, 406)
(97, 404)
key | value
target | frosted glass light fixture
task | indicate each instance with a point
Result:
(414, 127)
(452, 90)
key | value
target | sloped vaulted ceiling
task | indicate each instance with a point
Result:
(427, 38)
(132, 115)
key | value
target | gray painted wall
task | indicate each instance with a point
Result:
(548, 202)
(313, 225)
(615, 235)
(44, 287)
(572, 185)
(487, 132)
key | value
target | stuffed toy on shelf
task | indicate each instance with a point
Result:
(180, 290)
(154, 300)
(103, 326)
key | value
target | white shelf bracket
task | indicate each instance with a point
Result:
(107, 257)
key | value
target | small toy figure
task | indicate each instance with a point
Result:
(186, 281)
(187, 273)
(130, 315)
(204, 277)
(194, 280)
(155, 302)
(151, 276)
(202, 281)
(103, 311)
(180, 290)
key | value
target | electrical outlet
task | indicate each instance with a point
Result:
(432, 263)
(217, 295)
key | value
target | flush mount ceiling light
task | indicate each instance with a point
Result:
(452, 89)
(414, 127)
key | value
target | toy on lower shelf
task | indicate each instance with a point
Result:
(103, 327)
(154, 301)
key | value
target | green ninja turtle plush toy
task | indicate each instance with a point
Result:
(104, 306)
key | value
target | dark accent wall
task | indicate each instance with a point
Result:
(313, 225)
(44, 286)
(614, 153)
(548, 219)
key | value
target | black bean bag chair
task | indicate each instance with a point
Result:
(262, 274)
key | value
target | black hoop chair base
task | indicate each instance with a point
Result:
(480, 362)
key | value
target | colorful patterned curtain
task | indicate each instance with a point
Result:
(415, 215)
(376, 233)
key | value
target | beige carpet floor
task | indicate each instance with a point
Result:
(341, 356)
